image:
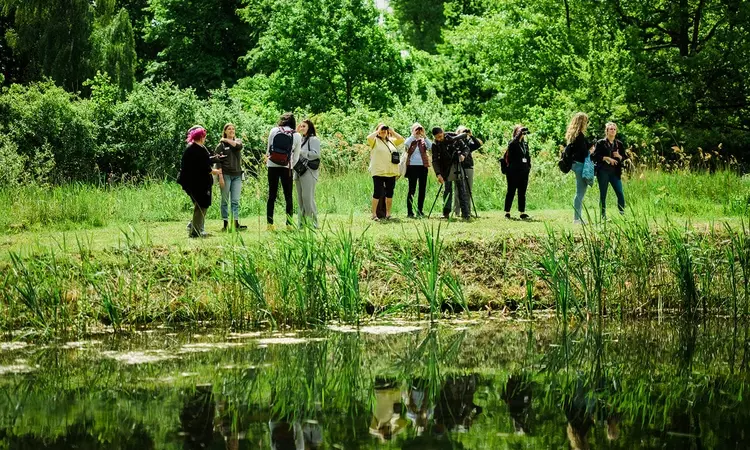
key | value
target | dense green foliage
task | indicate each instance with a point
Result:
(672, 74)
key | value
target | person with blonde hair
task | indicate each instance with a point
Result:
(578, 150)
(231, 172)
(609, 154)
(384, 160)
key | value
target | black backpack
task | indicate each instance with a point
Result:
(566, 161)
(281, 147)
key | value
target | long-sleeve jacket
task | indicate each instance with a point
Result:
(195, 174)
(604, 148)
(380, 156)
(578, 149)
(231, 164)
(447, 151)
(472, 144)
(519, 157)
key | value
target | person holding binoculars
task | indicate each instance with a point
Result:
(384, 160)
(518, 163)
(417, 165)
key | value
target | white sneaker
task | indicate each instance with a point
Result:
(579, 222)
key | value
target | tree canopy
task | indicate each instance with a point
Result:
(674, 70)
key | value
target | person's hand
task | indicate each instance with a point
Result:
(440, 179)
(617, 156)
(216, 171)
(610, 161)
(461, 158)
(591, 150)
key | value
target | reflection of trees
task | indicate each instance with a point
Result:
(663, 384)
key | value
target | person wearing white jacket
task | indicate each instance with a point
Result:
(310, 151)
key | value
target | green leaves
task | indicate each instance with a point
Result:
(325, 54)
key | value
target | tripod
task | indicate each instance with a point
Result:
(467, 186)
(460, 178)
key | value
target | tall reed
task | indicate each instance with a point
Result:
(347, 261)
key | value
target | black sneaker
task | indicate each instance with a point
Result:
(507, 215)
(239, 227)
(525, 217)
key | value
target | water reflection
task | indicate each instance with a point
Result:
(643, 385)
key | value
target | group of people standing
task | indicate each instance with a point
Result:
(451, 161)
(293, 158)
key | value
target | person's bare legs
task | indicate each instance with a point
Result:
(388, 204)
(374, 208)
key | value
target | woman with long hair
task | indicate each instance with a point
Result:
(282, 152)
(196, 178)
(609, 155)
(517, 175)
(578, 149)
(383, 143)
(231, 171)
(306, 182)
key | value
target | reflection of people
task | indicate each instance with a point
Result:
(386, 414)
(455, 409)
(418, 410)
(197, 418)
(286, 436)
(582, 409)
(517, 396)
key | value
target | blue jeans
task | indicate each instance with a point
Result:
(605, 178)
(231, 192)
(581, 188)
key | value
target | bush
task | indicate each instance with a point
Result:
(42, 118)
(11, 163)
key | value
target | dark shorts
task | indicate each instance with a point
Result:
(383, 187)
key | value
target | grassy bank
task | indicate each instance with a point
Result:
(619, 269)
(649, 192)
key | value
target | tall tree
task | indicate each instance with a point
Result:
(51, 38)
(421, 22)
(114, 44)
(141, 18)
(329, 53)
(200, 45)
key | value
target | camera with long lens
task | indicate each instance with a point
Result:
(525, 130)
(384, 128)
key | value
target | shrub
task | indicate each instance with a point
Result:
(43, 116)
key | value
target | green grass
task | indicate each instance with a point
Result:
(81, 256)
(76, 206)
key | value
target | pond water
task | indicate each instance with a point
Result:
(469, 385)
